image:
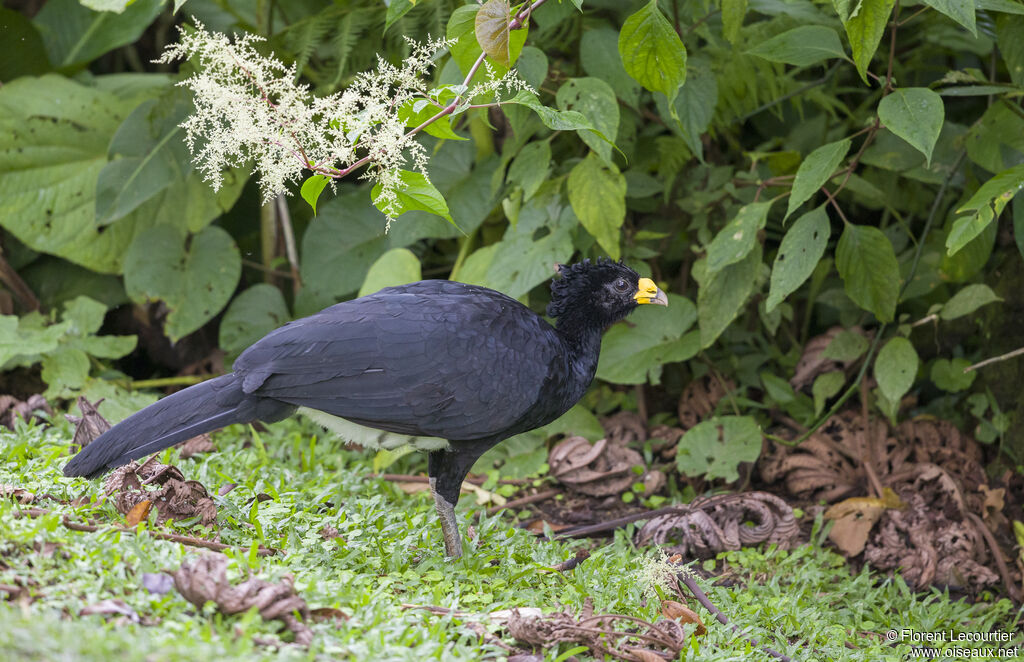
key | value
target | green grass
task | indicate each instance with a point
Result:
(389, 553)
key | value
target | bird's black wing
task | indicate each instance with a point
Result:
(434, 358)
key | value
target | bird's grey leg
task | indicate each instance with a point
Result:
(449, 527)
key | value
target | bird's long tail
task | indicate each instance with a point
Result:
(201, 408)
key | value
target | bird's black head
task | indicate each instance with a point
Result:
(597, 294)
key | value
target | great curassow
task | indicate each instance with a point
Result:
(450, 368)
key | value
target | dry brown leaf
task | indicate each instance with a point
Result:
(19, 494)
(854, 518)
(165, 486)
(12, 408)
(111, 607)
(138, 513)
(677, 611)
(90, 425)
(205, 580)
(601, 469)
(201, 444)
(700, 398)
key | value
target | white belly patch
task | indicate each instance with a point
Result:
(370, 437)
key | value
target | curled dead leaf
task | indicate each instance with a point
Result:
(721, 522)
(138, 513)
(205, 580)
(174, 497)
(19, 494)
(90, 425)
(201, 444)
(603, 469)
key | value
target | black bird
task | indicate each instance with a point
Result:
(449, 367)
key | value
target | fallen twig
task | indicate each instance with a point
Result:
(191, 541)
(524, 501)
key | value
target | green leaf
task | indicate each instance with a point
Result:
(739, 236)
(961, 11)
(340, 244)
(492, 33)
(826, 386)
(634, 351)
(950, 376)
(599, 56)
(814, 171)
(733, 12)
(195, 279)
(597, 192)
(564, 120)
(64, 370)
(28, 337)
(415, 194)
(987, 203)
(914, 114)
(722, 295)
(867, 264)
(651, 51)
(802, 46)
(523, 259)
(147, 155)
(312, 188)
(777, 388)
(967, 300)
(846, 347)
(74, 34)
(1005, 6)
(531, 167)
(895, 368)
(252, 314)
(798, 255)
(396, 10)
(715, 448)
(1010, 37)
(398, 266)
(694, 106)
(24, 54)
(85, 314)
(415, 112)
(864, 28)
(596, 101)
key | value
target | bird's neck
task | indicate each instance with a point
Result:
(583, 340)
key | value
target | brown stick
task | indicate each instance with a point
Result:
(191, 541)
(525, 501)
(997, 554)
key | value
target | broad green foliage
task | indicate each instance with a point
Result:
(717, 446)
(195, 276)
(633, 352)
(895, 368)
(62, 347)
(652, 52)
(899, 167)
(814, 171)
(798, 255)
(914, 114)
(597, 192)
(867, 263)
(252, 314)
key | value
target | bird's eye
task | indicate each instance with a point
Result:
(621, 285)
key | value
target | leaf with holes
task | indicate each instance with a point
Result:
(798, 255)
(896, 368)
(715, 448)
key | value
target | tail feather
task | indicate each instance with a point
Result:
(201, 408)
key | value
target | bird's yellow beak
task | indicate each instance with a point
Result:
(648, 292)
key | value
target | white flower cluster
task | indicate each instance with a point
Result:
(249, 109)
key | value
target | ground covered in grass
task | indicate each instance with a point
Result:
(384, 552)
